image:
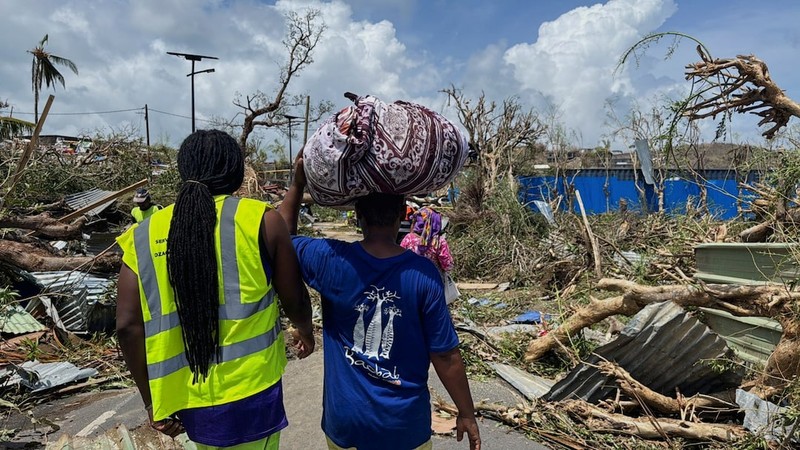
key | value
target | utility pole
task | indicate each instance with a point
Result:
(193, 59)
(291, 158)
(147, 132)
(308, 110)
(147, 126)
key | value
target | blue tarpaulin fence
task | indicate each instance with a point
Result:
(604, 191)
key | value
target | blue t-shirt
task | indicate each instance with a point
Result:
(381, 320)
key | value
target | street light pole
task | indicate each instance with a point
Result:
(193, 59)
(291, 159)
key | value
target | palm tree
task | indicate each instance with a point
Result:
(11, 126)
(43, 70)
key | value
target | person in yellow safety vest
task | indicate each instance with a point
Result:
(144, 205)
(197, 314)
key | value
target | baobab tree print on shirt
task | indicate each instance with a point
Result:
(375, 342)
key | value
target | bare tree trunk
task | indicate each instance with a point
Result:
(46, 225)
(35, 259)
(651, 427)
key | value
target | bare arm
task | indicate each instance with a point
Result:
(287, 280)
(290, 207)
(450, 368)
(130, 330)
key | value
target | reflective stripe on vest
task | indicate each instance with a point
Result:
(232, 309)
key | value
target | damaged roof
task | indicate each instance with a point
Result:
(664, 348)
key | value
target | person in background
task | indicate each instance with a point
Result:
(144, 206)
(384, 321)
(427, 239)
(197, 305)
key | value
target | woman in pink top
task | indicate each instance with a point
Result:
(426, 239)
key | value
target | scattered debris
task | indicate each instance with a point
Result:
(532, 317)
(476, 286)
(531, 386)
(75, 301)
(662, 347)
(753, 338)
(15, 320)
(762, 417)
(38, 376)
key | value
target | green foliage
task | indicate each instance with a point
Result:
(501, 241)
(111, 163)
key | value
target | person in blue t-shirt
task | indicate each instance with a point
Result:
(385, 321)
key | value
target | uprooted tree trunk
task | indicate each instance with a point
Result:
(767, 301)
(33, 258)
(770, 209)
(741, 84)
(46, 225)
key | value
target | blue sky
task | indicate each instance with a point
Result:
(550, 54)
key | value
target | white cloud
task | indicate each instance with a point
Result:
(120, 47)
(572, 62)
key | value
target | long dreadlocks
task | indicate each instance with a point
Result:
(210, 163)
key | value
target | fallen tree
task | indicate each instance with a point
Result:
(650, 427)
(34, 258)
(46, 225)
(683, 406)
(767, 301)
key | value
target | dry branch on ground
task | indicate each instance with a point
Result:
(766, 301)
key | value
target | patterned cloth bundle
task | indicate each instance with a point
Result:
(372, 146)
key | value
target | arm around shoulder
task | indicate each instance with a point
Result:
(287, 280)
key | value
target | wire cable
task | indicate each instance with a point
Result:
(85, 113)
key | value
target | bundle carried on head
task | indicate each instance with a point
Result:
(372, 146)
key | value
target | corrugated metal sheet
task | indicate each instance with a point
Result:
(662, 347)
(753, 338)
(15, 320)
(81, 199)
(70, 297)
(747, 263)
(99, 241)
(38, 376)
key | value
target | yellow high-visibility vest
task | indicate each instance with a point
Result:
(139, 214)
(252, 349)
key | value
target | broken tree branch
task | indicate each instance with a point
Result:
(747, 87)
(661, 403)
(650, 427)
(773, 301)
(36, 259)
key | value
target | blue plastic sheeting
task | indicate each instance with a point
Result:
(603, 190)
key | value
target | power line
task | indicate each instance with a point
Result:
(179, 115)
(85, 113)
(89, 113)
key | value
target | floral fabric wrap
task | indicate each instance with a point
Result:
(372, 146)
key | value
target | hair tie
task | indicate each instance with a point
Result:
(195, 182)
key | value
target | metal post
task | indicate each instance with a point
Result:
(192, 76)
(291, 156)
(291, 161)
(193, 59)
